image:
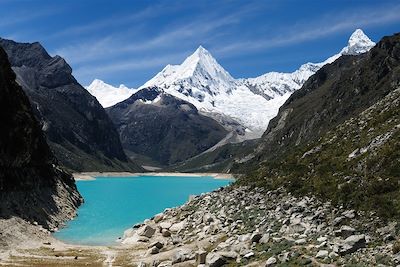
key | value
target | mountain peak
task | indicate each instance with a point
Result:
(201, 49)
(358, 43)
(200, 56)
(108, 95)
(199, 71)
(358, 35)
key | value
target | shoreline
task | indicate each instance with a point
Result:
(87, 176)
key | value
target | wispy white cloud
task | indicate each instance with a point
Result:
(324, 26)
(118, 44)
(15, 18)
(116, 20)
(128, 64)
(135, 47)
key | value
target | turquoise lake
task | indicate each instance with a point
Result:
(112, 205)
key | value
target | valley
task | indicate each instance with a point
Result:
(198, 166)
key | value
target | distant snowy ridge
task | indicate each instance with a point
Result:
(252, 102)
(273, 84)
(108, 95)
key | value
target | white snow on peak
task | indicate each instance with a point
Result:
(200, 74)
(202, 81)
(358, 43)
(108, 95)
(274, 84)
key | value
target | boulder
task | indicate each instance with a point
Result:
(349, 214)
(264, 239)
(165, 225)
(215, 260)
(352, 244)
(201, 257)
(248, 255)
(207, 218)
(143, 239)
(322, 254)
(153, 250)
(338, 220)
(256, 237)
(165, 264)
(232, 255)
(300, 241)
(179, 256)
(270, 262)
(333, 255)
(177, 227)
(165, 233)
(146, 231)
(295, 228)
(158, 217)
(156, 244)
(345, 231)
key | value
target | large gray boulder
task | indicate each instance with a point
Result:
(201, 257)
(215, 260)
(146, 231)
(352, 244)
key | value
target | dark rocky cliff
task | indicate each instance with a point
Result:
(32, 185)
(77, 128)
(162, 127)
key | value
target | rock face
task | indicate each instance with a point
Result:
(32, 185)
(163, 127)
(77, 128)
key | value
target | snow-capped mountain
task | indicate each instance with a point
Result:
(108, 95)
(252, 102)
(273, 84)
(201, 81)
(199, 76)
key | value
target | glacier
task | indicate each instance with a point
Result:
(252, 102)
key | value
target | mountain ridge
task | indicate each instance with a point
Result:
(164, 128)
(252, 102)
(76, 126)
(337, 137)
(32, 184)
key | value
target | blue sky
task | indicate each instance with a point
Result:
(130, 41)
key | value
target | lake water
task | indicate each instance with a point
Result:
(112, 205)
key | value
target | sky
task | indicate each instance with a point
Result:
(131, 41)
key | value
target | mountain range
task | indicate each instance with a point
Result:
(251, 102)
(338, 136)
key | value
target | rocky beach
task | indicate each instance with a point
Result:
(237, 226)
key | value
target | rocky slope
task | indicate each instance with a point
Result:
(77, 128)
(217, 159)
(338, 135)
(32, 185)
(239, 226)
(162, 127)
